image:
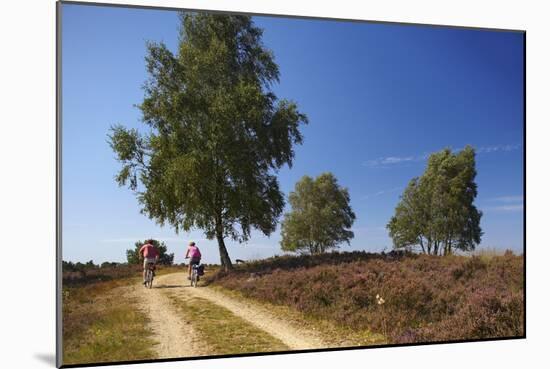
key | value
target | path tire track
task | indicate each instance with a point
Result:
(260, 317)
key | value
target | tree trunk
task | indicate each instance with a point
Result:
(448, 245)
(224, 256)
(422, 245)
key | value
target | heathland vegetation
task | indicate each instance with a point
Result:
(350, 298)
(405, 297)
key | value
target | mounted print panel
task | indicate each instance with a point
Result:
(240, 184)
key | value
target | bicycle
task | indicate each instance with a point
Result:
(194, 275)
(149, 275)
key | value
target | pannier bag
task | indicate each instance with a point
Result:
(200, 270)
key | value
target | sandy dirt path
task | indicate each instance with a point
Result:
(175, 335)
(260, 317)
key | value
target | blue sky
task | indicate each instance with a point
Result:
(379, 98)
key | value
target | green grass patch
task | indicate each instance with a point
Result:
(100, 326)
(223, 331)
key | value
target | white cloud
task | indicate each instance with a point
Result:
(497, 148)
(391, 160)
(396, 160)
(511, 203)
(387, 161)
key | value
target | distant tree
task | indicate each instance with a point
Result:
(217, 133)
(321, 216)
(68, 266)
(90, 264)
(108, 264)
(132, 255)
(436, 211)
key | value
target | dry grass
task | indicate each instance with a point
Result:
(488, 253)
(222, 331)
(99, 326)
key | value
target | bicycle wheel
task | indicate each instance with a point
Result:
(194, 278)
(148, 278)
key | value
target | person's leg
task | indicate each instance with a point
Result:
(144, 269)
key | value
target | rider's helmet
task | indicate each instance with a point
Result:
(191, 243)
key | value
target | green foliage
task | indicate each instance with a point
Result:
(132, 255)
(321, 216)
(217, 132)
(70, 266)
(108, 264)
(437, 210)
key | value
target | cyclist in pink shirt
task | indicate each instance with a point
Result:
(194, 253)
(149, 254)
